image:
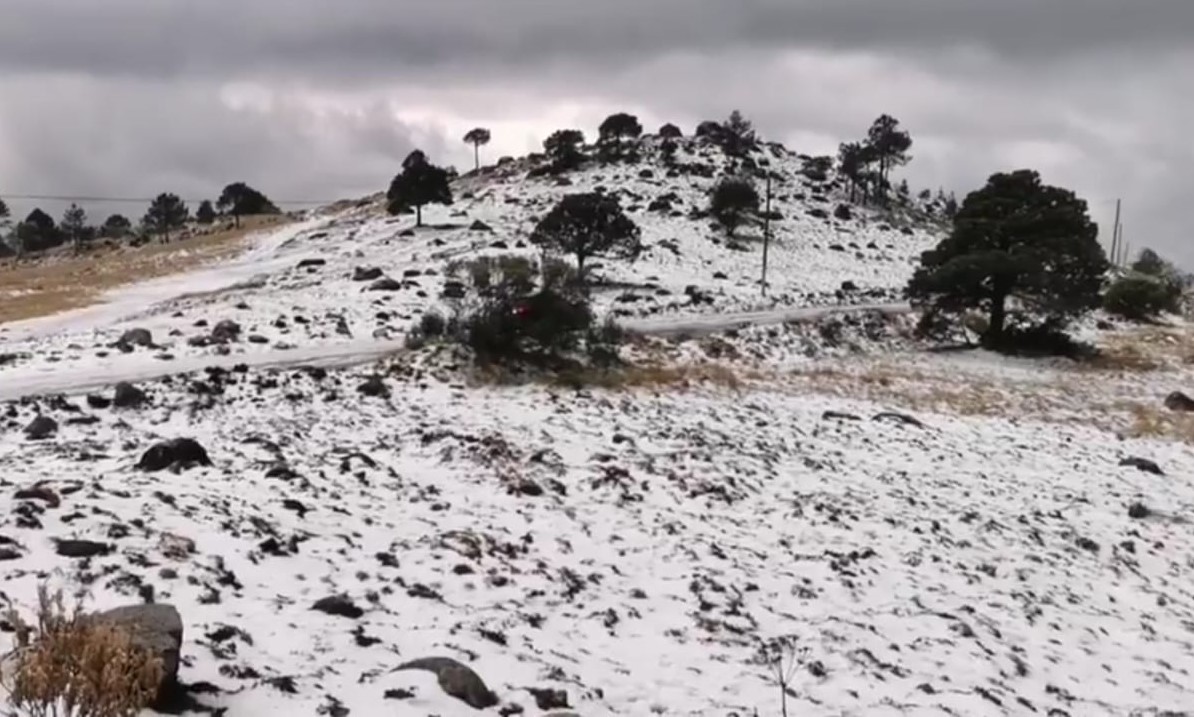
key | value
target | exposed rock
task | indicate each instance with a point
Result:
(126, 395)
(363, 273)
(81, 548)
(181, 452)
(1138, 511)
(385, 284)
(456, 680)
(480, 226)
(98, 401)
(136, 337)
(549, 699)
(901, 418)
(1142, 464)
(225, 331)
(41, 427)
(311, 263)
(338, 605)
(155, 628)
(1178, 401)
(374, 386)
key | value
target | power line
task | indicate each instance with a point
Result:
(146, 200)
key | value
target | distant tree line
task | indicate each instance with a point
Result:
(166, 215)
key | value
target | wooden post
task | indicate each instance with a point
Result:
(766, 233)
(1115, 237)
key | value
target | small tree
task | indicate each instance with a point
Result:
(477, 137)
(732, 200)
(4, 214)
(709, 130)
(613, 134)
(206, 213)
(1143, 297)
(116, 226)
(890, 145)
(1150, 262)
(588, 225)
(670, 131)
(167, 211)
(738, 135)
(419, 184)
(239, 199)
(667, 150)
(1015, 240)
(563, 148)
(850, 164)
(37, 233)
(74, 225)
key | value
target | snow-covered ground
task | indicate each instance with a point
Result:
(935, 534)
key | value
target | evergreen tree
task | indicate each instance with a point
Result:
(1016, 244)
(588, 225)
(74, 225)
(563, 148)
(732, 200)
(116, 226)
(738, 136)
(239, 199)
(419, 184)
(1150, 262)
(850, 164)
(890, 146)
(206, 213)
(166, 212)
(614, 133)
(670, 131)
(477, 137)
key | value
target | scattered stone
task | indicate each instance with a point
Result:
(374, 386)
(126, 395)
(41, 427)
(385, 284)
(1142, 464)
(456, 680)
(480, 226)
(338, 605)
(1178, 401)
(39, 492)
(839, 416)
(363, 273)
(98, 402)
(81, 548)
(900, 418)
(180, 452)
(549, 699)
(157, 629)
(136, 337)
(1138, 511)
(225, 331)
(312, 263)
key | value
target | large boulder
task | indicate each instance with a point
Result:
(126, 395)
(181, 452)
(155, 628)
(136, 337)
(41, 427)
(456, 680)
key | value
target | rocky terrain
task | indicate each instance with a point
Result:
(394, 538)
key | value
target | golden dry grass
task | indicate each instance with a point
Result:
(68, 665)
(43, 286)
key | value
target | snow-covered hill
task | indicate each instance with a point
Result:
(933, 534)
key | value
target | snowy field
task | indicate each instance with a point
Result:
(935, 534)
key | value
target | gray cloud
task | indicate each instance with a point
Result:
(137, 96)
(370, 39)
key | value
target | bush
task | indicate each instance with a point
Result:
(69, 666)
(1043, 338)
(1139, 297)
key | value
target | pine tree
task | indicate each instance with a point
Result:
(477, 137)
(588, 225)
(206, 213)
(732, 200)
(74, 225)
(239, 199)
(419, 184)
(166, 212)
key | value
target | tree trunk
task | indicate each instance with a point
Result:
(994, 333)
(476, 157)
(419, 215)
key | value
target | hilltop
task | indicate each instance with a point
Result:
(904, 532)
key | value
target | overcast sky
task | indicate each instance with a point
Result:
(313, 99)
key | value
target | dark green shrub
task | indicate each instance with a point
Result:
(1139, 297)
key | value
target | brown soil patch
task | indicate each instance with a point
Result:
(47, 285)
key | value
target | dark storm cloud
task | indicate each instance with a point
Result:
(72, 137)
(375, 38)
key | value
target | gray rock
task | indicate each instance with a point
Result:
(41, 427)
(225, 331)
(456, 680)
(155, 628)
(136, 337)
(127, 395)
(1178, 401)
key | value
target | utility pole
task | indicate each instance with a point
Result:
(766, 232)
(1115, 236)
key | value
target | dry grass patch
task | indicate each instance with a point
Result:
(49, 285)
(69, 666)
(1147, 421)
